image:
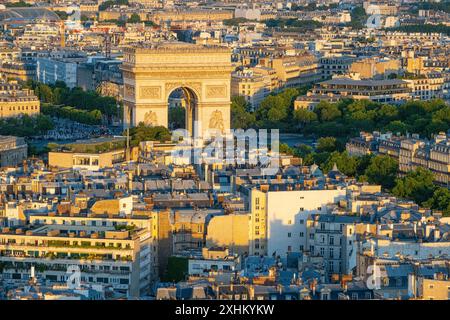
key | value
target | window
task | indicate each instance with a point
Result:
(331, 240)
(289, 248)
(289, 234)
(302, 221)
(302, 234)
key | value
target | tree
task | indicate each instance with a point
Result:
(276, 114)
(134, 18)
(440, 201)
(345, 163)
(327, 111)
(240, 117)
(303, 150)
(177, 117)
(61, 14)
(327, 144)
(304, 116)
(19, 4)
(110, 3)
(284, 148)
(417, 185)
(145, 133)
(359, 18)
(397, 126)
(235, 21)
(44, 93)
(382, 170)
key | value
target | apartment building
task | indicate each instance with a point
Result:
(190, 16)
(375, 67)
(388, 91)
(17, 70)
(335, 64)
(59, 66)
(413, 152)
(15, 101)
(333, 237)
(433, 289)
(278, 217)
(250, 85)
(214, 260)
(92, 154)
(294, 71)
(427, 87)
(363, 145)
(102, 254)
(384, 8)
(13, 151)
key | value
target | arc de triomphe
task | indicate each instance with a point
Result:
(151, 72)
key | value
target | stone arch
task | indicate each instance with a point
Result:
(152, 72)
(192, 99)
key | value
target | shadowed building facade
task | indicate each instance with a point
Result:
(152, 72)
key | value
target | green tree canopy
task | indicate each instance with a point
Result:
(382, 170)
(416, 185)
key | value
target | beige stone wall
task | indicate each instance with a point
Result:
(229, 231)
(435, 289)
(191, 16)
(109, 15)
(60, 159)
(9, 109)
(368, 68)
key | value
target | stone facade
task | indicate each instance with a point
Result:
(151, 73)
(15, 101)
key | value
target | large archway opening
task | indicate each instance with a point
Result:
(182, 105)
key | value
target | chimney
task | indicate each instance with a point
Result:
(130, 181)
(32, 274)
(437, 234)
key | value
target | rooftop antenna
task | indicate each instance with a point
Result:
(107, 43)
